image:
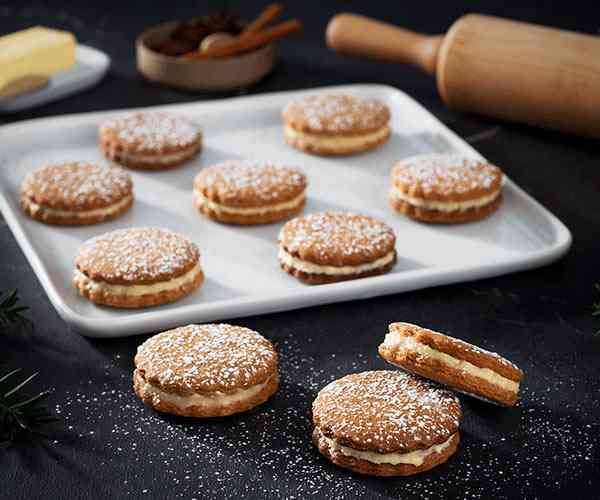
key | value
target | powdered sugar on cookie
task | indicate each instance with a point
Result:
(250, 183)
(77, 185)
(386, 411)
(446, 174)
(336, 114)
(206, 358)
(137, 255)
(152, 132)
(341, 233)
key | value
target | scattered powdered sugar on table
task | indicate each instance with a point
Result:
(78, 184)
(240, 180)
(137, 254)
(446, 173)
(206, 358)
(152, 131)
(338, 113)
(267, 452)
(342, 233)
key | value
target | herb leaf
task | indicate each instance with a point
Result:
(20, 415)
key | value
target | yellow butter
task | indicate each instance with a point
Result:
(30, 57)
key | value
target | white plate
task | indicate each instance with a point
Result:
(90, 66)
(242, 274)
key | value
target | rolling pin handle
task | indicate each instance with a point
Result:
(363, 37)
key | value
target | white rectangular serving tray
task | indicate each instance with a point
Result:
(242, 273)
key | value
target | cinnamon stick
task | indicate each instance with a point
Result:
(267, 16)
(251, 41)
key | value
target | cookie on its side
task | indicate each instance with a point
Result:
(336, 246)
(386, 423)
(249, 192)
(150, 140)
(336, 124)
(76, 193)
(446, 189)
(137, 267)
(452, 362)
(205, 370)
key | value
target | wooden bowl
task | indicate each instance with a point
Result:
(210, 75)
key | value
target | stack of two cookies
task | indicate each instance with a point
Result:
(398, 423)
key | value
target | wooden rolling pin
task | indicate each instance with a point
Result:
(507, 69)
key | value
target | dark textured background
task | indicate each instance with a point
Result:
(108, 445)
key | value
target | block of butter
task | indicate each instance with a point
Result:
(30, 57)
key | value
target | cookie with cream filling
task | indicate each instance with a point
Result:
(76, 193)
(150, 140)
(386, 423)
(445, 188)
(452, 362)
(249, 192)
(137, 267)
(209, 370)
(336, 246)
(336, 124)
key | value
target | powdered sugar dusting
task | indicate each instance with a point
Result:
(247, 182)
(74, 185)
(337, 113)
(446, 174)
(143, 254)
(200, 358)
(340, 233)
(152, 131)
(387, 411)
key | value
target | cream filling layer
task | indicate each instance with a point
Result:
(445, 206)
(217, 399)
(415, 458)
(83, 214)
(336, 141)
(159, 159)
(137, 290)
(200, 199)
(395, 340)
(309, 267)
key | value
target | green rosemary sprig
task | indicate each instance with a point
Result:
(11, 311)
(596, 305)
(21, 414)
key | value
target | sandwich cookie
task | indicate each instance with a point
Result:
(205, 370)
(137, 267)
(249, 192)
(76, 193)
(452, 362)
(443, 188)
(336, 246)
(150, 140)
(336, 124)
(386, 423)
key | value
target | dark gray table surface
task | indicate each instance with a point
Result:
(106, 444)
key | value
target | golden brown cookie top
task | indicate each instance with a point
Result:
(386, 412)
(151, 132)
(337, 238)
(446, 177)
(336, 114)
(459, 349)
(77, 186)
(141, 255)
(246, 183)
(206, 358)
